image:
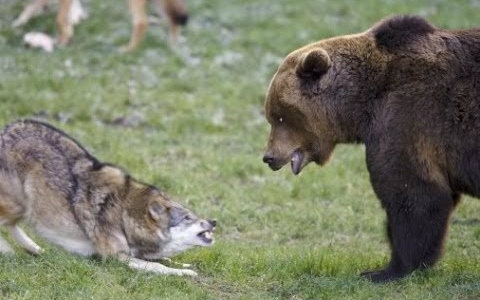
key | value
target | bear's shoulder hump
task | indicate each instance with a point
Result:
(399, 31)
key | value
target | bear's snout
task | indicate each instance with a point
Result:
(272, 162)
(268, 158)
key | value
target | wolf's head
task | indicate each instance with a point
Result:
(186, 230)
(154, 226)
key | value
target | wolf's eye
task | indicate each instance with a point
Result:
(187, 218)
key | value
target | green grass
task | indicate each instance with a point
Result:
(196, 128)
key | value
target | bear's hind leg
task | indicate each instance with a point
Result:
(416, 227)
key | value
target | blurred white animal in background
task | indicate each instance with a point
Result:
(39, 40)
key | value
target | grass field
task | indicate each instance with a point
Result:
(190, 120)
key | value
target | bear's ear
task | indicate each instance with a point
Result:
(314, 64)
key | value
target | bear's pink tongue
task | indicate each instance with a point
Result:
(296, 161)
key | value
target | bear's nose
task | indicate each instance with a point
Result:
(268, 158)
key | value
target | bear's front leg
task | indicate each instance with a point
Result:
(417, 219)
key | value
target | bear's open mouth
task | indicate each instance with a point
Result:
(297, 161)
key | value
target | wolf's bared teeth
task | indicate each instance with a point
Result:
(206, 236)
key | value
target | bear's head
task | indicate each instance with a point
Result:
(299, 129)
(329, 92)
(315, 100)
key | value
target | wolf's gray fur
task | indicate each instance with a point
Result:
(86, 206)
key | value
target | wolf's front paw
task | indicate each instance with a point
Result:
(35, 250)
(168, 260)
(187, 272)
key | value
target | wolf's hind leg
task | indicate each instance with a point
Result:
(5, 247)
(22, 238)
(10, 213)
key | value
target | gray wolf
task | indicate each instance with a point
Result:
(88, 207)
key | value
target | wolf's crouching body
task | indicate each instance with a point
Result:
(88, 207)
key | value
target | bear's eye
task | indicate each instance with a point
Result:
(280, 119)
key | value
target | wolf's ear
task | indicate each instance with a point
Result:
(156, 210)
(110, 175)
(313, 64)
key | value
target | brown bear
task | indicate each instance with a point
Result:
(410, 92)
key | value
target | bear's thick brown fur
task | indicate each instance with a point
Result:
(411, 93)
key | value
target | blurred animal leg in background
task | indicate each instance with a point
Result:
(176, 13)
(64, 23)
(32, 9)
(139, 23)
(77, 13)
